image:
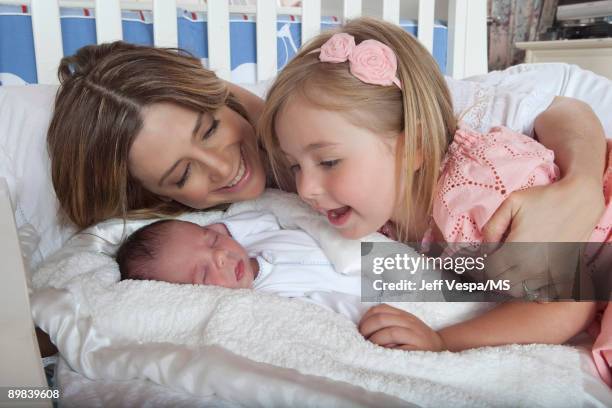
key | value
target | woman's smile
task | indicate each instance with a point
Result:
(240, 179)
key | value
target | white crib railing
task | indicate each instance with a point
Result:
(467, 36)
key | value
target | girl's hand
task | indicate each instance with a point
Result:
(390, 327)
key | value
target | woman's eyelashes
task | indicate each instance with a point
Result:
(184, 177)
(211, 130)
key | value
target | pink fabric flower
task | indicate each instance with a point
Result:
(337, 48)
(371, 61)
(374, 63)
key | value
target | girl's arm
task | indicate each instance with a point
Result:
(251, 102)
(569, 209)
(509, 323)
(520, 322)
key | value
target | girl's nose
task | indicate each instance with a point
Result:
(308, 186)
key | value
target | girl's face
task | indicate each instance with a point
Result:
(198, 159)
(343, 171)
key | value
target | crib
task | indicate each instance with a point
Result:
(466, 55)
(462, 51)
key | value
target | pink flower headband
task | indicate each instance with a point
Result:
(371, 61)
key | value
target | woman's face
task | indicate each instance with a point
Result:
(198, 159)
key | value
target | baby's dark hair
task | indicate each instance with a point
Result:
(137, 253)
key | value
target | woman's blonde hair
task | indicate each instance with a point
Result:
(421, 112)
(97, 115)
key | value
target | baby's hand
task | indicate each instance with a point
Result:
(390, 327)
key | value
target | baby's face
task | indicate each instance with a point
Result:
(203, 256)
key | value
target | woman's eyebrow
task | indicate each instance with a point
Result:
(194, 132)
(198, 124)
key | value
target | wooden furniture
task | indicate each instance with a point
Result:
(594, 54)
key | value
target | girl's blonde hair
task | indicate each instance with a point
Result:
(97, 116)
(421, 113)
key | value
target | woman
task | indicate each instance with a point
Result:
(140, 131)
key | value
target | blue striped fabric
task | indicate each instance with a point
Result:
(17, 59)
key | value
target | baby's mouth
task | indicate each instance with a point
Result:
(239, 270)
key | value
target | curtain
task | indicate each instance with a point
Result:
(512, 21)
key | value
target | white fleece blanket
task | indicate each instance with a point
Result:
(165, 332)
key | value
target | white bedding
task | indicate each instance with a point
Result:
(78, 391)
(96, 347)
(171, 334)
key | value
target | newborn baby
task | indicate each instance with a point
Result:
(247, 250)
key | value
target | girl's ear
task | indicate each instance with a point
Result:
(418, 157)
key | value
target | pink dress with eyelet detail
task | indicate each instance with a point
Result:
(479, 172)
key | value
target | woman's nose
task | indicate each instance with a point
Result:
(219, 166)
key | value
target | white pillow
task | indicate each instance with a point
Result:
(25, 112)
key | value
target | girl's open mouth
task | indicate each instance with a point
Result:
(339, 216)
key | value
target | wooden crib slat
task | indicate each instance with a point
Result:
(467, 38)
(165, 29)
(219, 39)
(426, 23)
(266, 39)
(108, 21)
(457, 31)
(391, 11)
(351, 9)
(311, 19)
(476, 45)
(47, 33)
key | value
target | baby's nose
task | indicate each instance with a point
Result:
(220, 257)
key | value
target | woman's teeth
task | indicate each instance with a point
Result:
(240, 174)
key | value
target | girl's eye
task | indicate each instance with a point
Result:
(184, 177)
(329, 163)
(294, 168)
(211, 130)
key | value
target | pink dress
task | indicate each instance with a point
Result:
(480, 171)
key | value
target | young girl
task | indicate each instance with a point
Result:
(359, 123)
